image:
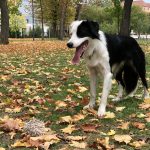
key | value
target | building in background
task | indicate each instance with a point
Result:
(145, 6)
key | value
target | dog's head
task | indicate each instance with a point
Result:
(81, 32)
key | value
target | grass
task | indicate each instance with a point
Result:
(49, 74)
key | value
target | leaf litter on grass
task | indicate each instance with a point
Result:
(37, 80)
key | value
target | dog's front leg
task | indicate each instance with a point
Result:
(106, 88)
(93, 77)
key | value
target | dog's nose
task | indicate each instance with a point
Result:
(70, 45)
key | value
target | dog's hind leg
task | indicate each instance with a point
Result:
(120, 93)
(93, 78)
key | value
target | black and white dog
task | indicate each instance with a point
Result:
(108, 55)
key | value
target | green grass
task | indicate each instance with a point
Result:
(55, 75)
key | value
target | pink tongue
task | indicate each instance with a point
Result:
(77, 55)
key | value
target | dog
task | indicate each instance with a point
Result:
(111, 56)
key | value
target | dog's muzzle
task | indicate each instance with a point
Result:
(70, 45)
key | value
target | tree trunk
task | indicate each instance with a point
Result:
(78, 9)
(4, 22)
(125, 24)
(33, 30)
(42, 19)
(62, 20)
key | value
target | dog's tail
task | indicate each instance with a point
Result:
(130, 78)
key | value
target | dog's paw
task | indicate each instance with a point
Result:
(89, 106)
(101, 111)
(117, 99)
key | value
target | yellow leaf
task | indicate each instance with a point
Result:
(47, 137)
(109, 115)
(120, 108)
(20, 144)
(81, 145)
(123, 138)
(1, 148)
(71, 91)
(147, 101)
(82, 89)
(111, 132)
(138, 144)
(69, 129)
(141, 115)
(67, 119)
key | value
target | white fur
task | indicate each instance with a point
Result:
(97, 59)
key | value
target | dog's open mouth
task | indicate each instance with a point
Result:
(79, 52)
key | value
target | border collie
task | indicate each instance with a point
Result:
(110, 56)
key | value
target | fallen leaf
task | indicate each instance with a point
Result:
(82, 89)
(123, 138)
(1, 148)
(104, 143)
(139, 125)
(78, 117)
(120, 108)
(111, 132)
(69, 129)
(147, 119)
(67, 119)
(144, 106)
(12, 134)
(109, 115)
(19, 143)
(138, 144)
(124, 125)
(141, 115)
(76, 138)
(147, 100)
(47, 137)
(89, 128)
(11, 124)
(60, 104)
(76, 144)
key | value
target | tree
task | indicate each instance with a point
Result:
(125, 24)
(42, 19)
(17, 22)
(140, 21)
(33, 32)
(4, 22)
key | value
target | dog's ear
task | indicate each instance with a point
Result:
(94, 28)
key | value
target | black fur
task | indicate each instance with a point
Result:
(88, 29)
(120, 48)
(126, 49)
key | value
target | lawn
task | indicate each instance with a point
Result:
(37, 80)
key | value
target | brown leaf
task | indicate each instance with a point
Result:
(11, 124)
(144, 106)
(139, 125)
(78, 117)
(89, 128)
(60, 104)
(124, 125)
